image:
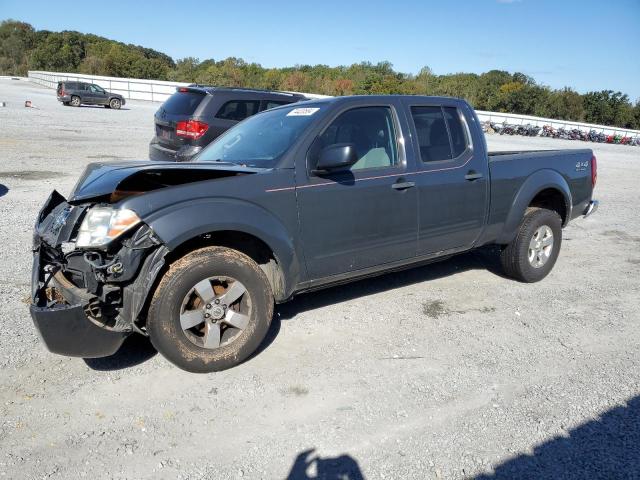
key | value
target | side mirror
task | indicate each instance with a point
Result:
(334, 157)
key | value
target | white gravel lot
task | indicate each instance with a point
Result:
(446, 371)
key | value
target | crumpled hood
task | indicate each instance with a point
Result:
(104, 178)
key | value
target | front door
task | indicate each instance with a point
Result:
(97, 95)
(363, 216)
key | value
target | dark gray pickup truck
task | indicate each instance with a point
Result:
(297, 198)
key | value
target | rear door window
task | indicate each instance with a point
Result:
(458, 132)
(238, 109)
(183, 103)
(431, 129)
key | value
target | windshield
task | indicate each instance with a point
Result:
(261, 140)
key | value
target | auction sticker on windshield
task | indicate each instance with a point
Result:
(302, 112)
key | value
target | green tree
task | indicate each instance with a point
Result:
(22, 47)
(565, 104)
(608, 108)
(16, 39)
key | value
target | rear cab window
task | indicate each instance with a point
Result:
(457, 131)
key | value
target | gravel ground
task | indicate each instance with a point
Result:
(475, 375)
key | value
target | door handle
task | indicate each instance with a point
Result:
(401, 185)
(472, 175)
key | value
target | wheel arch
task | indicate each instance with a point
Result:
(236, 224)
(251, 245)
(545, 188)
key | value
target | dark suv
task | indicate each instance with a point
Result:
(195, 115)
(79, 93)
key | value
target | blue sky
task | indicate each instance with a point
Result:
(588, 45)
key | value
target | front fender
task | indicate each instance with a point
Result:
(534, 184)
(177, 223)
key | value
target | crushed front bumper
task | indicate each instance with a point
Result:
(66, 329)
(79, 307)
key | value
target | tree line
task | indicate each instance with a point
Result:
(23, 48)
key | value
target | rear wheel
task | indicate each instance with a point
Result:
(533, 253)
(75, 101)
(211, 310)
(115, 103)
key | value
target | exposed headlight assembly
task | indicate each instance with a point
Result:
(101, 225)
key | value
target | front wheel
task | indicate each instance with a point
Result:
(533, 253)
(115, 103)
(211, 310)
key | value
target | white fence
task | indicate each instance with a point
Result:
(159, 91)
(515, 119)
(129, 88)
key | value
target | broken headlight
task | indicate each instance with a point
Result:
(101, 225)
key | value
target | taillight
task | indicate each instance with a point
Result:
(191, 129)
(594, 171)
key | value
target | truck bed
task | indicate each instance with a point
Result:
(528, 153)
(514, 173)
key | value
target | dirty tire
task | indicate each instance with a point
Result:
(115, 103)
(515, 256)
(75, 101)
(163, 322)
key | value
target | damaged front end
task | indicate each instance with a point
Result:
(86, 298)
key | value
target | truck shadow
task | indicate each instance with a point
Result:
(603, 448)
(135, 350)
(485, 258)
(606, 447)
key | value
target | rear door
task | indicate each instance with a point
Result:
(453, 180)
(181, 106)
